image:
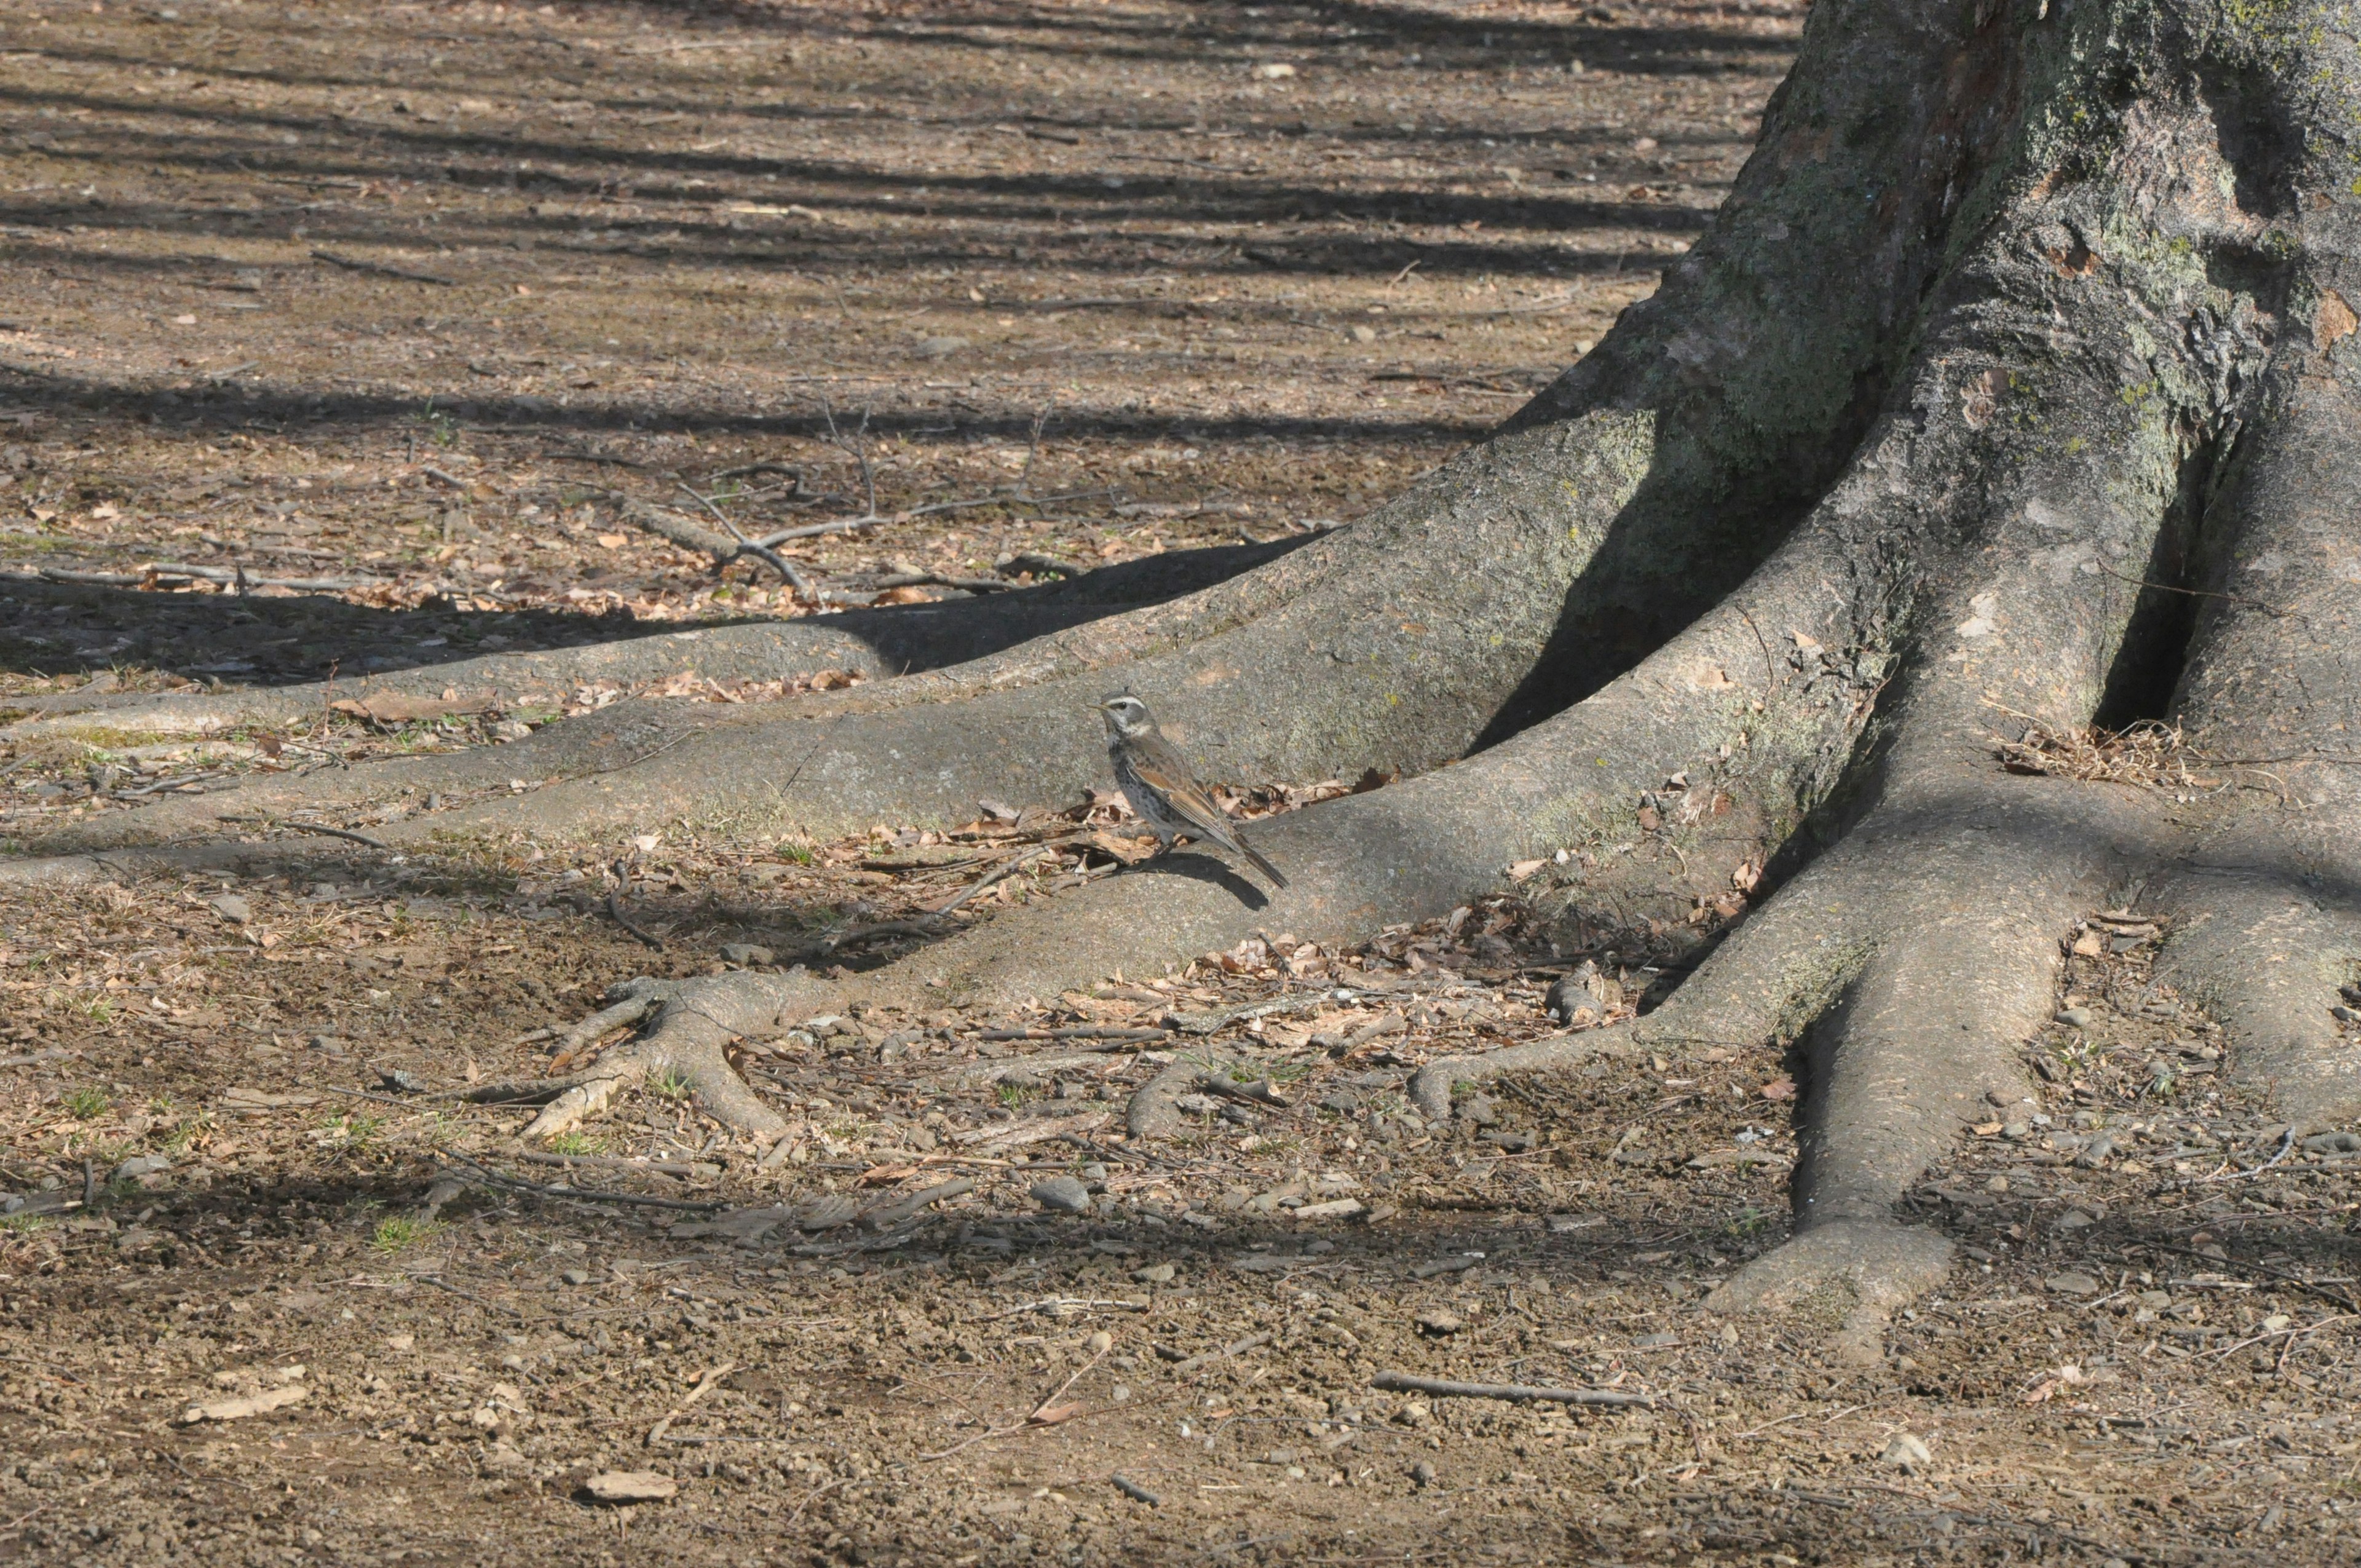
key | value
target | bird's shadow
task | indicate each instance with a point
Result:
(1204, 868)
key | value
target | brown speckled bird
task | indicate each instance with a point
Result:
(1163, 788)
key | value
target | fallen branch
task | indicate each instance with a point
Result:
(763, 552)
(1514, 1393)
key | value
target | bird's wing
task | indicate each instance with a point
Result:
(1161, 767)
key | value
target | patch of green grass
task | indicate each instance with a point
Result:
(23, 1224)
(190, 1129)
(399, 1233)
(355, 1130)
(87, 1101)
(1010, 1095)
(575, 1143)
(1750, 1222)
(670, 1084)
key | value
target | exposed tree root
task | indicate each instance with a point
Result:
(875, 644)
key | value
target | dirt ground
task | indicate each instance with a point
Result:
(406, 313)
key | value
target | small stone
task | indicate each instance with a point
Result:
(939, 347)
(234, 909)
(1656, 1342)
(2156, 1301)
(2074, 1017)
(141, 1164)
(1274, 71)
(2073, 1282)
(1062, 1194)
(1100, 1342)
(1421, 1475)
(2072, 1220)
(401, 1342)
(630, 1486)
(746, 953)
(1438, 1320)
(1479, 1110)
(1908, 1450)
(2333, 1143)
(575, 1277)
(1337, 1209)
(1155, 1274)
(512, 729)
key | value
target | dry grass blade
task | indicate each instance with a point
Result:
(2149, 754)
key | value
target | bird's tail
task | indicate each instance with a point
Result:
(1262, 865)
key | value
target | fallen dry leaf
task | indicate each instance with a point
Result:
(1778, 1088)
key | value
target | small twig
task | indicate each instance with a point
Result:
(589, 1194)
(712, 1376)
(353, 264)
(333, 833)
(441, 1284)
(1135, 1491)
(1514, 1393)
(1065, 1303)
(1190, 1364)
(763, 552)
(1006, 867)
(2287, 1146)
(615, 911)
(608, 1162)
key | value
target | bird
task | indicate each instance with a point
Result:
(1163, 788)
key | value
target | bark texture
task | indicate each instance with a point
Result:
(2013, 389)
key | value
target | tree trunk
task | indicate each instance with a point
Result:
(2020, 369)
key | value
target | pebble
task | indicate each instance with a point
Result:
(630, 1486)
(1338, 1209)
(1421, 1475)
(1100, 1342)
(1438, 1320)
(746, 953)
(1909, 1451)
(1062, 1194)
(2074, 1017)
(2073, 1282)
(1155, 1274)
(234, 909)
(141, 1164)
(575, 1277)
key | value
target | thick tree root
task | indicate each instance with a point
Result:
(1155, 1109)
(877, 644)
(1856, 1272)
(1431, 1088)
